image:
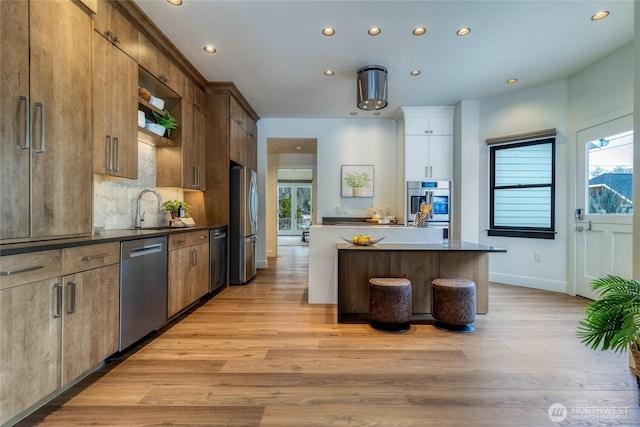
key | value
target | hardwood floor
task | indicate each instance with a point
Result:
(259, 355)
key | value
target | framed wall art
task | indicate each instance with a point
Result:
(357, 181)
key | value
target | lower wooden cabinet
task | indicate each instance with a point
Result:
(59, 319)
(188, 269)
(90, 319)
(30, 347)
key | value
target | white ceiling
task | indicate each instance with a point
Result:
(276, 55)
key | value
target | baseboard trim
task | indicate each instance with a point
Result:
(529, 282)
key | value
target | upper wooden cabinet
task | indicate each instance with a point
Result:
(115, 102)
(44, 137)
(156, 63)
(116, 28)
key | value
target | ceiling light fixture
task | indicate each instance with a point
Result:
(419, 31)
(329, 73)
(376, 113)
(328, 31)
(210, 49)
(511, 81)
(353, 113)
(463, 31)
(600, 15)
(175, 2)
(374, 31)
(371, 87)
(415, 73)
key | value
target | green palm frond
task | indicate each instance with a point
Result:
(612, 322)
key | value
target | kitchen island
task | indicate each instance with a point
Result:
(323, 259)
(418, 262)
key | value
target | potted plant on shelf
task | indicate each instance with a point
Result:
(166, 120)
(357, 181)
(174, 206)
(612, 322)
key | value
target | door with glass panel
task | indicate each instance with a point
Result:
(604, 203)
(294, 208)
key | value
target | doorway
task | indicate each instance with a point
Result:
(294, 205)
(604, 203)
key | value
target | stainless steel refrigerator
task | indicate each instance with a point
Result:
(243, 225)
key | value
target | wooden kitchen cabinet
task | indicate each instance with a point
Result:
(59, 319)
(45, 135)
(159, 65)
(116, 28)
(225, 143)
(90, 319)
(115, 105)
(188, 269)
(30, 329)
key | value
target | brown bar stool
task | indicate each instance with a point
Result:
(454, 304)
(390, 303)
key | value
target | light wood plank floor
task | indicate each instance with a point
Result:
(258, 355)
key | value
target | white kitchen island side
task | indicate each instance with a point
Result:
(323, 255)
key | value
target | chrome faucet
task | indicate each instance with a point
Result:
(146, 190)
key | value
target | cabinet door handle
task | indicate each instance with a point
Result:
(92, 257)
(116, 40)
(194, 168)
(178, 242)
(27, 120)
(71, 307)
(109, 159)
(109, 35)
(57, 289)
(42, 128)
(195, 257)
(116, 141)
(20, 270)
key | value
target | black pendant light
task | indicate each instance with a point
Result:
(372, 87)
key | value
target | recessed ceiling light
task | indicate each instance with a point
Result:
(328, 31)
(600, 15)
(175, 2)
(463, 31)
(374, 31)
(353, 113)
(210, 49)
(329, 73)
(376, 113)
(419, 31)
(415, 73)
(511, 81)
(298, 147)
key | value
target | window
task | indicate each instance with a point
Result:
(522, 196)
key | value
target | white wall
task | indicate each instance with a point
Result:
(340, 142)
(466, 160)
(530, 109)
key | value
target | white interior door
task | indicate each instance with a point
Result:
(604, 203)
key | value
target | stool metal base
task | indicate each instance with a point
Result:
(461, 329)
(397, 328)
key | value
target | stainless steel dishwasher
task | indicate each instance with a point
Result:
(143, 288)
(218, 259)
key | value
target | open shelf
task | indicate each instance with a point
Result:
(151, 138)
(143, 102)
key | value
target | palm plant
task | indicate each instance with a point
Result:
(612, 322)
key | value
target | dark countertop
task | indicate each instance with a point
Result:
(447, 245)
(104, 237)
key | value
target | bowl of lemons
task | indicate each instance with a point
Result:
(363, 240)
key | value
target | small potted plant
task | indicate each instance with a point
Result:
(357, 181)
(167, 121)
(174, 206)
(612, 322)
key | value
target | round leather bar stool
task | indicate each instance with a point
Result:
(390, 303)
(454, 304)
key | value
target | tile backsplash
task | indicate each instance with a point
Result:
(114, 200)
